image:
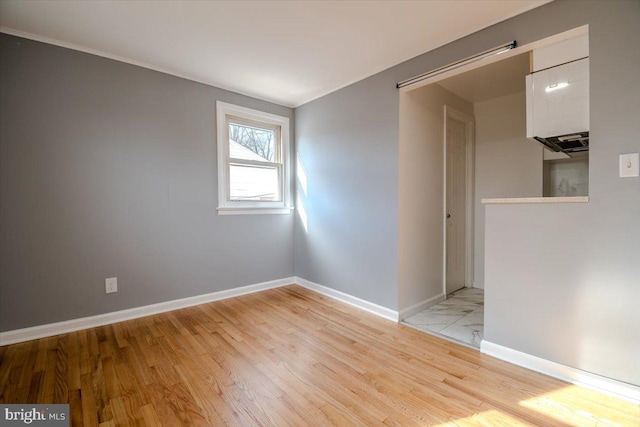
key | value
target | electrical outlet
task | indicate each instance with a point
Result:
(111, 285)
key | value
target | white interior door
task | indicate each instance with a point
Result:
(456, 209)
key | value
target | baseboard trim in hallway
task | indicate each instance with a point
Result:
(459, 318)
(422, 305)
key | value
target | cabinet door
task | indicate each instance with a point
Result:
(561, 99)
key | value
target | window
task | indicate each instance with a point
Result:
(253, 161)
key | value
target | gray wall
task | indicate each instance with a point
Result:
(508, 164)
(567, 288)
(349, 140)
(108, 169)
(348, 145)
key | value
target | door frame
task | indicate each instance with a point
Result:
(469, 122)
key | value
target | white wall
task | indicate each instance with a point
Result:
(507, 163)
(421, 183)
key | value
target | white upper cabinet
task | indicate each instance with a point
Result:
(558, 100)
(558, 89)
(561, 53)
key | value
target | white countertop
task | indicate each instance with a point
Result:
(580, 199)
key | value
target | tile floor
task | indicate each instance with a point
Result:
(459, 318)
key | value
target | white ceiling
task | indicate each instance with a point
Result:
(498, 79)
(288, 52)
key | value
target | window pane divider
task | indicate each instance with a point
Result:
(235, 161)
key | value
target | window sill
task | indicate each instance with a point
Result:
(254, 211)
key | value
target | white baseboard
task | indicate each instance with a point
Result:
(477, 284)
(41, 331)
(417, 308)
(619, 389)
(376, 309)
(52, 329)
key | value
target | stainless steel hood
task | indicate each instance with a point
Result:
(573, 144)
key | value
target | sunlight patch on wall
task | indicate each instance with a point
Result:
(302, 213)
(302, 175)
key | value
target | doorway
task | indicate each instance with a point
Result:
(458, 177)
(441, 260)
(480, 117)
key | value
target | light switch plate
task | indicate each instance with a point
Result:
(629, 165)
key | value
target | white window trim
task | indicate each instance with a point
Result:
(234, 207)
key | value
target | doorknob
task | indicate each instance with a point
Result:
(448, 216)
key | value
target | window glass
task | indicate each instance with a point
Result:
(251, 143)
(250, 182)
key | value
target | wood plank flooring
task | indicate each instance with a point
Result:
(287, 356)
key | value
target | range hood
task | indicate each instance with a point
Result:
(558, 107)
(570, 144)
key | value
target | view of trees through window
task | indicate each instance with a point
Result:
(259, 141)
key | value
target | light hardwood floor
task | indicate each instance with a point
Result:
(287, 356)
